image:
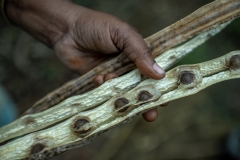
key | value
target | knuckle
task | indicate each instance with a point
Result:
(138, 58)
(125, 27)
(123, 30)
(146, 51)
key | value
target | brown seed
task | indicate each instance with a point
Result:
(80, 122)
(234, 62)
(119, 103)
(79, 126)
(37, 148)
(186, 77)
(29, 120)
(144, 96)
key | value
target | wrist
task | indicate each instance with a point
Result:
(46, 20)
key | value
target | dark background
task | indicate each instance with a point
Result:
(194, 127)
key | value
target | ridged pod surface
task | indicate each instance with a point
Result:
(76, 121)
(202, 20)
(82, 127)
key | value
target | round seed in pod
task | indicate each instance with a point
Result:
(120, 104)
(144, 96)
(36, 148)
(234, 62)
(81, 126)
(80, 123)
(186, 77)
(29, 120)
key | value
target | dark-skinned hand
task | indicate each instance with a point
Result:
(82, 38)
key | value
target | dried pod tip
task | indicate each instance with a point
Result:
(36, 148)
(144, 96)
(234, 62)
(186, 77)
(81, 126)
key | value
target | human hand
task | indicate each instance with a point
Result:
(82, 38)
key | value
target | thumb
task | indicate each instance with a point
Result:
(133, 45)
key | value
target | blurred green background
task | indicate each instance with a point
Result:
(194, 127)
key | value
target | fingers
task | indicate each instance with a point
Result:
(100, 79)
(150, 115)
(164, 105)
(110, 76)
(133, 45)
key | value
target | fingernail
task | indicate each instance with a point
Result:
(158, 69)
